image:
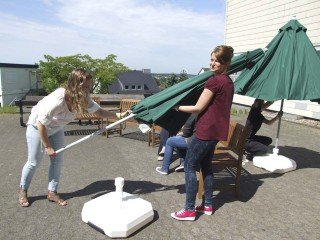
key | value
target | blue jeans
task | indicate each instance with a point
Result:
(164, 135)
(198, 157)
(178, 142)
(35, 157)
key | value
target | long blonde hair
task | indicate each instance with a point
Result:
(77, 94)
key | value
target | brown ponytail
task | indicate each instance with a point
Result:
(223, 54)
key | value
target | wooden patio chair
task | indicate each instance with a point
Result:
(228, 155)
(125, 104)
(154, 135)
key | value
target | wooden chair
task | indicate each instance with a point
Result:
(228, 154)
(91, 116)
(125, 104)
(154, 135)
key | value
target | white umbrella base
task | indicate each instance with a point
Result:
(116, 218)
(275, 163)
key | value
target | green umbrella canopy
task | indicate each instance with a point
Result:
(158, 108)
(289, 69)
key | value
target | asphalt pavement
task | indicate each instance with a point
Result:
(271, 206)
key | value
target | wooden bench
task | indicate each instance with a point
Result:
(91, 116)
(125, 104)
(228, 155)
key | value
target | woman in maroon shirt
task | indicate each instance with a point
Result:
(213, 107)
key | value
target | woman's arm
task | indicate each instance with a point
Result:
(201, 104)
(271, 121)
(45, 139)
(266, 105)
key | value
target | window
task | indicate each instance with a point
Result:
(133, 87)
(126, 87)
(139, 87)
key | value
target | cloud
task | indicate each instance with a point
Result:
(25, 41)
(143, 34)
(127, 20)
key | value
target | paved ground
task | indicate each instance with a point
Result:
(272, 206)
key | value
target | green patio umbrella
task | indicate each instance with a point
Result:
(289, 69)
(158, 108)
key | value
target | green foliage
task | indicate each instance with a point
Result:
(239, 111)
(107, 71)
(183, 76)
(234, 112)
(55, 71)
(173, 79)
(8, 109)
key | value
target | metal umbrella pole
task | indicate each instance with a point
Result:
(96, 133)
(276, 149)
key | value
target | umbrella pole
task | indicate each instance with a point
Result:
(96, 133)
(276, 149)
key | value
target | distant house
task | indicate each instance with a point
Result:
(135, 82)
(16, 80)
(202, 70)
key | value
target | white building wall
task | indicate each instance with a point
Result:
(15, 83)
(252, 24)
(300, 108)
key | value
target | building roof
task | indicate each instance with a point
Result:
(204, 69)
(16, 65)
(134, 78)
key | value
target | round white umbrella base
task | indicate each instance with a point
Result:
(118, 214)
(275, 163)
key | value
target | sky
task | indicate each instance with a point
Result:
(166, 36)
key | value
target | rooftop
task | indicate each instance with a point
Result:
(272, 206)
(16, 65)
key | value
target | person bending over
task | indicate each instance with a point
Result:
(45, 130)
(255, 144)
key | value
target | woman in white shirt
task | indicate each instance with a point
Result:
(45, 130)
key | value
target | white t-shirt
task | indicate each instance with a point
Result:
(52, 111)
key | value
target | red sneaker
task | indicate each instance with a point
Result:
(184, 215)
(208, 210)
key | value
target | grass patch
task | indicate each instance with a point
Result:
(239, 111)
(8, 109)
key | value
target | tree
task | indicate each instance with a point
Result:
(183, 75)
(55, 71)
(173, 79)
(107, 71)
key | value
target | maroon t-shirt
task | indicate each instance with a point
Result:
(213, 122)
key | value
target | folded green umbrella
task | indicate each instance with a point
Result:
(158, 108)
